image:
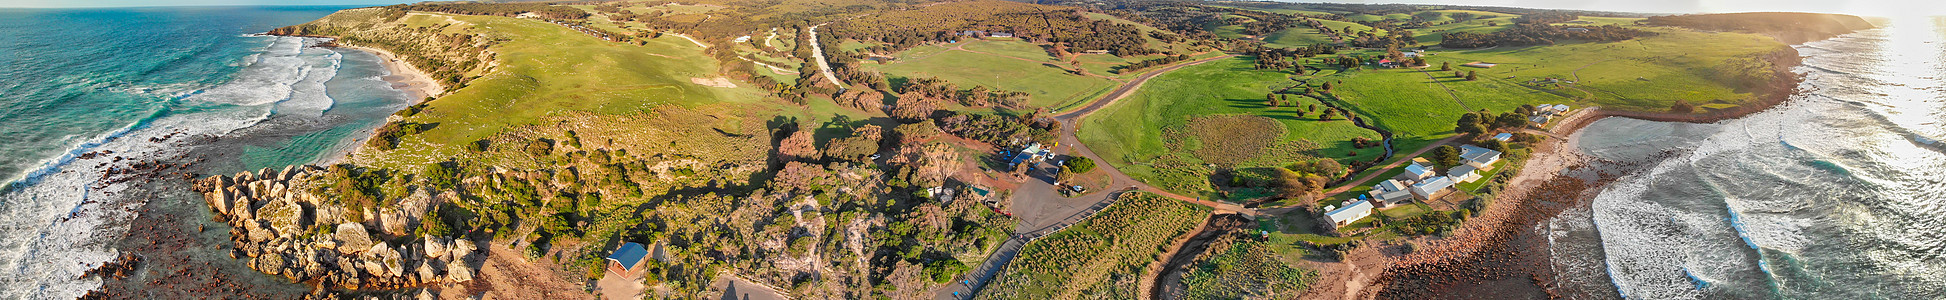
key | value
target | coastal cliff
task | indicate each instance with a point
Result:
(281, 229)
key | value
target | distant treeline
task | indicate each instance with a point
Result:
(1787, 26)
(1533, 34)
(499, 9)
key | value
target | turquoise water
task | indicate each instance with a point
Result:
(171, 85)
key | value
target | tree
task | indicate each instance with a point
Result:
(1495, 145)
(1682, 107)
(1065, 175)
(1080, 164)
(1328, 115)
(1472, 75)
(442, 176)
(1525, 110)
(1445, 66)
(797, 147)
(913, 107)
(1469, 123)
(1446, 156)
(1510, 120)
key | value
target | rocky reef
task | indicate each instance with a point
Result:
(283, 228)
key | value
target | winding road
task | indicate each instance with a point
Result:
(817, 53)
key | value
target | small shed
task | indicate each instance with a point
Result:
(1503, 136)
(1479, 65)
(626, 259)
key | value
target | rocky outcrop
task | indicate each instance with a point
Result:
(282, 229)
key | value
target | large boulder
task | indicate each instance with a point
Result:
(286, 217)
(456, 271)
(352, 238)
(435, 247)
(384, 260)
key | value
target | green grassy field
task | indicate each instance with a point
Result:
(1005, 65)
(547, 69)
(1126, 133)
(1099, 256)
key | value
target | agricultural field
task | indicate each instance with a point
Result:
(1101, 257)
(1005, 65)
(1215, 113)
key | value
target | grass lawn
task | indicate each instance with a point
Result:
(1128, 133)
(1006, 65)
(546, 69)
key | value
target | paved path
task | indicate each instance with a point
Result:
(817, 53)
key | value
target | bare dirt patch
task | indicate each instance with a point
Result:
(713, 82)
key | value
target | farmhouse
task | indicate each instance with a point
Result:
(625, 259)
(1432, 188)
(1477, 157)
(1463, 173)
(1001, 34)
(1389, 192)
(1575, 29)
(1539, 120)
(1416, 172)
(1350, 213)
(1479, 65)
(1095, 51)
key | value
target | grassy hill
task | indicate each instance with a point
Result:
(543, 70)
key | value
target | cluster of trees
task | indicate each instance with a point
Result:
(999, 130)
(1533, 34)
(543, 10)
(1302, 180)
(387, 137)
(1145, 64)
(1290, 58)
(1545, 18)
(935, 89)
(1482, 121)
(953, 21)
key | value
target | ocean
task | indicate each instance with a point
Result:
(1840, 193)
(86, 95)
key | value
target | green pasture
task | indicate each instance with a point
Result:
(1004, 65)
(1127, 132)
(548, 69)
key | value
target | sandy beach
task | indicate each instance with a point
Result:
(404, 76)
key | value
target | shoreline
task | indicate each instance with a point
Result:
(1501, 253)
(403, 76)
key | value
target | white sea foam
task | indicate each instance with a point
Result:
(60, 220)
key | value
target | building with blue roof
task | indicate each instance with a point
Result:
(626, 259)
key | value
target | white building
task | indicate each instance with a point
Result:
(1481, 158)
(1350, 213)
(1416, 172)
(1430, 188)
(1463, 173)
(1389, 192)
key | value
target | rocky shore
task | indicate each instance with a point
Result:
(282, 229)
